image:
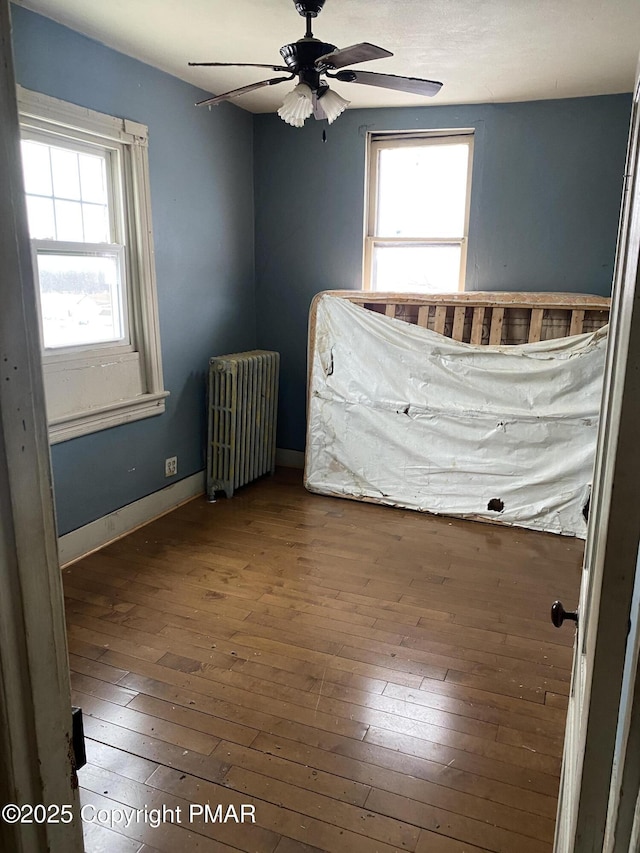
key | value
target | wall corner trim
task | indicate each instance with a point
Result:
(95, 535)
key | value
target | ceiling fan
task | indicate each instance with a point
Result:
(310, 59)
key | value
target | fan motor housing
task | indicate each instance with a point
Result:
(302, 54)
(311, 8)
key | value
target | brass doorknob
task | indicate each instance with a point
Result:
(559, 614)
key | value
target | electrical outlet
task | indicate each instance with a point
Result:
(171, 466)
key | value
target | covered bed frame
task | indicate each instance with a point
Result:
(345, 417)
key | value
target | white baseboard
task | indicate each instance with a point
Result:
(78, 543)
(289, 458)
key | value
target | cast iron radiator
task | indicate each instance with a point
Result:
(243, 405)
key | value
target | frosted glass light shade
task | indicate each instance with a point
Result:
(297, 106)
(332, 104)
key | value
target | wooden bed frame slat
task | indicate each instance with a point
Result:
(459, 313)
(441, 316)
(535, 326)
(423, 316)
(497, 320)
(577, 322)
(477, 324)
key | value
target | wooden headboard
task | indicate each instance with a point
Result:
(487, 317)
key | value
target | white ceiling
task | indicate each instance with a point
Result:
(482, 50)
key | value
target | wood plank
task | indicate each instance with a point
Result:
(174, 835)
(216, 714)
(273, 766)
(577, 321)
(388, 831)
(429, 843)
(529, 660)
(553, 700)
(274, 816)
(462, 828)
(518, 299)
(101, 839)
(491, 712)
(128, 745)
(335, 700)
(288, 845)
(528, 740)
(495, 331)
(95, 668)
(504, 683)
(477, 324)
(440, 318)
(423, 316)
(426, 780)
(540, 775)
(458, 323)
(95, 687)
(484, 695)
(110, 758)
(535, 325)
(146, 724)
(390, 310)
(189, 718)
(86, 650)
(106, 639)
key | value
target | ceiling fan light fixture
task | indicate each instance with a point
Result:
(332, 104)
(297, 106)
(310, 60)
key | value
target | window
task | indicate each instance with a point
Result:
(88, 206)
(418, 211)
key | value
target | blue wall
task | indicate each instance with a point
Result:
(201, 172)
(546, 189)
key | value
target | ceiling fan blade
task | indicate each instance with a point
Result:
(413, 85)
(239, 65)
(226, 96)
(362, 52)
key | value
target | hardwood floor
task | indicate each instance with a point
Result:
(369, 679)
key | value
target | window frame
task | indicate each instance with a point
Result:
(411, 139)
(65, 247)
(97, 386)
(80, 144)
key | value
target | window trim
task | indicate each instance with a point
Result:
(41, 114)
(409, 139)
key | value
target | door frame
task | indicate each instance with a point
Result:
(35, 707)
(597, 702)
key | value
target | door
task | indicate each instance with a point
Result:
(610, 553)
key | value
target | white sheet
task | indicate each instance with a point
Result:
(403, 416)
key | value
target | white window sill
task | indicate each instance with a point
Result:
(104, 417)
